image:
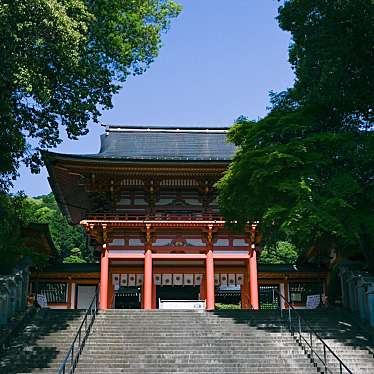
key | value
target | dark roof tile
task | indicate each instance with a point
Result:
(166, 144)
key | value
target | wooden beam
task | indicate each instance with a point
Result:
(233, 256)
(126, 256)
(178, 256)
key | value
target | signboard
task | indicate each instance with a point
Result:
(313, 301)
(182, 304)
(42, 300)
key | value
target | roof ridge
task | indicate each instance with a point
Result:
(174, 129)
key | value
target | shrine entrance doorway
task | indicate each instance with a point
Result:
(127, 298)
(177, 293)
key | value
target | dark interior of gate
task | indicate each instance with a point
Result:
(130, 297)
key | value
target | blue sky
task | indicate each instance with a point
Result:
(219, 60)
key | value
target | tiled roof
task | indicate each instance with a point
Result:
(166, 144)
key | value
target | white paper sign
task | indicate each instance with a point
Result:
(312, 301)
(42, 300)
(182, 304)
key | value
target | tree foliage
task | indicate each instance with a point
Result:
(12, 247)
(18, 211)
(61, 63)
(332, 54)
(70, 241)
(306, 170)
(75, 257)
(282, 253)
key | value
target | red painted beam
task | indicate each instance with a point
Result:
(131, 223)
(228, 256)
(178, 256)
(126, 256)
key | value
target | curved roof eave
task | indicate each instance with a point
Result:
(49, 156)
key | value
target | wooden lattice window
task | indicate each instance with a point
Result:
(56, 293)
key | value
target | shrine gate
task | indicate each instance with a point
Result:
(147, 200)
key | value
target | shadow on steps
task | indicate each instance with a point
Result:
(42, 344)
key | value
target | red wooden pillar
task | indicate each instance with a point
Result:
(253, 282)
(110, 292)
(203, 288)
(154, 300)
(209, 273)
(245, 289)
(104, 277)
(148, 280)
(142, 298)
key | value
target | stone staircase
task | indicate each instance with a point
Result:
(341, 332)
(136, 341)
(43, 343)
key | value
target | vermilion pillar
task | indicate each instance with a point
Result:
(203, 289)
(210, 292)
(154, 299)
(253, 282)
(104, 277)
(245, 289)
(147, 280)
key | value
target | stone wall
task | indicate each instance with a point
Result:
(13, 293)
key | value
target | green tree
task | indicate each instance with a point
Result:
(13, 246)
(282, 253)
(332, 54)
(44, 209)
(61, 63)
(305, 171)
(75, 257)
(313, 189)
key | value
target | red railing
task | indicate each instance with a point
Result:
(155, 217)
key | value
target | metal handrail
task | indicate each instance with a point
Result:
(313, 338)
(72, 357)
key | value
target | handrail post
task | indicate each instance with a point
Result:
(290, 319)
(299, 328)
(311, 345)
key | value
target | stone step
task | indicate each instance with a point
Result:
(173, 344)
(155, 342)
